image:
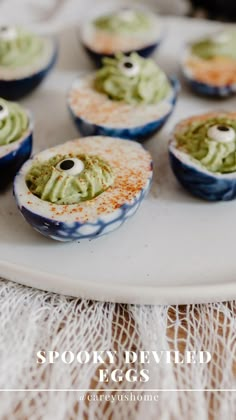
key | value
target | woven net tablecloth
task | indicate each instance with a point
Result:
(32, 320)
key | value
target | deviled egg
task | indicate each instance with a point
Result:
(25, 59)
(209, 64)
(203, 155)
(83, 189)
(16, 130)
(128, 97)
(125, 30)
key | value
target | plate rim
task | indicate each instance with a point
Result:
(93, 291)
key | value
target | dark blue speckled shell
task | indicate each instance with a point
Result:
(139, 133)
(205, 89)
(12, 161)
(145, 52)
(76, 231)
(18, 88)
(203, 184)
(210, 90)
(69, 225)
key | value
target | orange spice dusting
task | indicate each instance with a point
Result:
(219, 71)
(132, 169)
(94, 106)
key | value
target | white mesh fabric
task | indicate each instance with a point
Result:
(32, 320)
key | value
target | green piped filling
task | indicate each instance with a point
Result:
(209, 48)
(49, 183)
(149, 86)
(14, 125)
(21, 51)
(137, 21)
(214, 156)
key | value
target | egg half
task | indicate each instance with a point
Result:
(194, 177)
(132, 168)
(96, 114)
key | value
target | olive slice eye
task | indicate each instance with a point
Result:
(128, 67)
(3, 112)
(221, 133)
(8, 33)
(73, 166)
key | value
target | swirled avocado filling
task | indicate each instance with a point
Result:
(21, 49)
(132, 79)
(220, 45)
(59, 181)
(14, 122)
(215, 156)
(125, 21)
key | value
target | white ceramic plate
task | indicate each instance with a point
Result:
(175, 250)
